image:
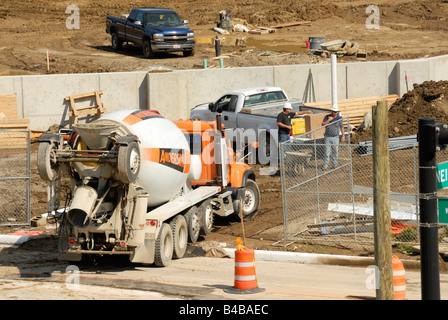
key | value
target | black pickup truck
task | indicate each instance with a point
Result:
(154, 29)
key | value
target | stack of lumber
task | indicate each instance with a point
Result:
(355, 108)
(11, 125)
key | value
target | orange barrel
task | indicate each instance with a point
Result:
(245, 277)
(399, 279)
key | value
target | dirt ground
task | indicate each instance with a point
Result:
(408, 29)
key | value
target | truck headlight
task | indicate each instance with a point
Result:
(157, 37)
(190, 36)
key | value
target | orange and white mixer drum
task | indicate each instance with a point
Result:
(164, 153)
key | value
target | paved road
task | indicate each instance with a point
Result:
(198, 278)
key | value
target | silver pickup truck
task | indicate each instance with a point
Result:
(254, 110)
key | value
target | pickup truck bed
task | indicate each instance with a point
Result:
(254, 110)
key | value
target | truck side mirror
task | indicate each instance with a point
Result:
(185, 21)
(212, 107)
(138, 23)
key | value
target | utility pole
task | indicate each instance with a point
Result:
(430, 138)
(381, 196)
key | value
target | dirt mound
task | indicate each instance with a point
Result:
(429, 99)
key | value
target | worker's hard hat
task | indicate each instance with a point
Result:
(287, 105)
(334, 108)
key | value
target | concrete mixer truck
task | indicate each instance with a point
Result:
(144, 186)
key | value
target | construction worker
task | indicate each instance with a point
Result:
(334, 127)
(284, 121)
(285, 126)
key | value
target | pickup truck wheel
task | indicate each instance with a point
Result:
(180, 236)
(164, 246)
(250, 200)
(189, 53)
(147, 52)
(267, 147)
(206, 216)
(117, 44)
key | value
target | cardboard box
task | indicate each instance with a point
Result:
(314, 121)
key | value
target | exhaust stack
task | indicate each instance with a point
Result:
(334, 83)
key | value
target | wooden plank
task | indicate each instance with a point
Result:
(344, 101)
(83, 95)
(14, 124)
(13, 140)
(291, 24)
(8, 106)
(258, 31)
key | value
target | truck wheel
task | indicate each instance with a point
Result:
(128, 162)
(250, 200)
(193, 223)
(206, 217)
(189, 53)
(267, 147)
(164, 246)
(147, 52)
(116, 43)
(46, 161)
(180, 236)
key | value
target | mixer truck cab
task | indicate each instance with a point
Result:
(144, 186)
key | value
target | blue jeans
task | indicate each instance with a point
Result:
(331, 145)
(283, 137)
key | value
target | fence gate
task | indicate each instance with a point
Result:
(335, 204)
(15, 177)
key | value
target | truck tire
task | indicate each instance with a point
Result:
(180, 236)
(147, 52)
(250, 200)
(116, 43)
(267, 147)
(128, 162)
(46, 165)
(164, 246)
(188, 53)
(206, 216)
(193, 224)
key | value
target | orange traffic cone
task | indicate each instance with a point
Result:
(399, 279)
(245, 276)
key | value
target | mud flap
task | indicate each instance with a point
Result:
(144, 253)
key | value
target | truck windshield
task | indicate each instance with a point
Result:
(265, 97)
(162, 19)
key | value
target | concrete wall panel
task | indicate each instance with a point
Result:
(417, 71)
(123, 90)
(44, 97)
(41, 97)
(167, 93)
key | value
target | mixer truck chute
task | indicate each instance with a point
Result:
(144, 186)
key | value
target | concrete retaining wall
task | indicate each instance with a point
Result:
(41, 98)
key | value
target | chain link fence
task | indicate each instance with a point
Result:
(15, 177)
(335, 204)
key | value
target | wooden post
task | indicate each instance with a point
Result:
(381, 196)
